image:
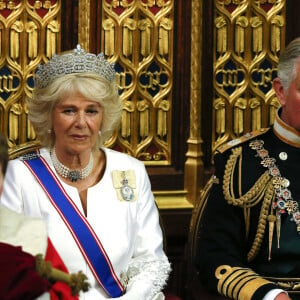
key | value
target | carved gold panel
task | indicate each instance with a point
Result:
(29, 34)
(248, 38)
(138, 37)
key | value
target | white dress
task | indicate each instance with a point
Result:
(128, 230)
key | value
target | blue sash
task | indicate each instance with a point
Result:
(83, 234)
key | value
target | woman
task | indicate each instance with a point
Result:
(97, 203)
(17, 264)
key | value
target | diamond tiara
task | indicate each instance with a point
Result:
(77, 61)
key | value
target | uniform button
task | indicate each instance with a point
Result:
(283, 155)
(285, 182)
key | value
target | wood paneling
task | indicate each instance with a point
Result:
(69, 24)
(176, 226)
(292, 20)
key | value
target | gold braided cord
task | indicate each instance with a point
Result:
(255, 193)
(261, 227)
(287, 283)
(262, 189)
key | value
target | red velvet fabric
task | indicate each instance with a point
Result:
(20, 281)
(18, 278)
(59, 290)
(171, 297)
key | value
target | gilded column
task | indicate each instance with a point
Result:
(84, 24)
(194, 170)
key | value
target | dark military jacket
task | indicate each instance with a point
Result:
(245, 249)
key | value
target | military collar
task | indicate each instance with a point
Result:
(285, 132)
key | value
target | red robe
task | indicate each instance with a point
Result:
(19, 279)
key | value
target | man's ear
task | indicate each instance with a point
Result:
(279, 90)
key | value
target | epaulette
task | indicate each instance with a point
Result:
(244, 138)
(30, 156)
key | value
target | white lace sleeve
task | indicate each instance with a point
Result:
(146, 279)
(148, 269)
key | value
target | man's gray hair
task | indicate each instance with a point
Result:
(288, 62)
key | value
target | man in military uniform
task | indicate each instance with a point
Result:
(249, 238)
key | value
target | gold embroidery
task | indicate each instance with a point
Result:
(238, 283)
(250, 287)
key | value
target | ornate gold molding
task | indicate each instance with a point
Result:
(248, 38)
(172, 200)
(29, 34)
(194, 166)
(84, 24)
(193, 180)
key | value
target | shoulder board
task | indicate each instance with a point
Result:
(30, 156)
(246, 137)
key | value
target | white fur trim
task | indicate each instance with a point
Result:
(19, 230)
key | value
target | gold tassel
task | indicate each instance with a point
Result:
(278, 226)
(76, 281)
(272, 220)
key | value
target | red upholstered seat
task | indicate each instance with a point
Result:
(171, 297)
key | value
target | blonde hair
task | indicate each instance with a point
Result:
(91, 86)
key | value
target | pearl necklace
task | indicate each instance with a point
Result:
(73, 175)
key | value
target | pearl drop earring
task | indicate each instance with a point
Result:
(49, 131)
(99, 133)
